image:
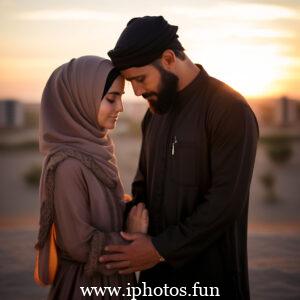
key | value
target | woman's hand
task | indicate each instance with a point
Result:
(138, 219)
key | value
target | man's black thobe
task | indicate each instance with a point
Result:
(194, 175)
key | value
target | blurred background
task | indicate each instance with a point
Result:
(254, 46)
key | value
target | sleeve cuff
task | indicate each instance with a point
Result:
(98, 241)
(161, 256)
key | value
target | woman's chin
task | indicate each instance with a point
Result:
(111, 125)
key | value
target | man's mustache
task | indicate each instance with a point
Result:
(148, 95)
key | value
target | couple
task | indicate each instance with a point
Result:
(187, 222)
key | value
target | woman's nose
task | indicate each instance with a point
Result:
(120, 106)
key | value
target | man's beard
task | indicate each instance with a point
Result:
(165, 98)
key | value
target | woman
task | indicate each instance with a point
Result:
(80, 189)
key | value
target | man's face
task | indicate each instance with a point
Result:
(155, 84)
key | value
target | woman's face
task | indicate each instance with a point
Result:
(111, 104)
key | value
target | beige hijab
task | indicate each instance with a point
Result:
(69, 128)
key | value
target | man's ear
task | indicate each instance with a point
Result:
(168, 59)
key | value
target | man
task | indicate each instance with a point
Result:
(195, 167)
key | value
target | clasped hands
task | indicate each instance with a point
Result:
(140, 254)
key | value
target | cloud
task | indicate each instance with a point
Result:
(243, 32)
(237, 11)
(67, 15)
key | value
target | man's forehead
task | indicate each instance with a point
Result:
(132, 73)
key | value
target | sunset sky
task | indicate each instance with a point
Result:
(252, 45)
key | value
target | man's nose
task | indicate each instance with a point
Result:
(138, 90)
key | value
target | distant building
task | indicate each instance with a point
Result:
(286, 112)
(11, 114)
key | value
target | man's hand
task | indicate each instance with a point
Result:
(137, 256)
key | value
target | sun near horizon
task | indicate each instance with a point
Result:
(253, 46)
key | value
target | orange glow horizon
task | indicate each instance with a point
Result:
(252, 46)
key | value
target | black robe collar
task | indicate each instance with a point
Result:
(187, 93)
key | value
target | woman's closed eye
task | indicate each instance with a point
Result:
(111, 100)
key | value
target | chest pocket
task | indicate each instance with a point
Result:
(185, 164)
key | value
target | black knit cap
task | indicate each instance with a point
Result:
(144, 40)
